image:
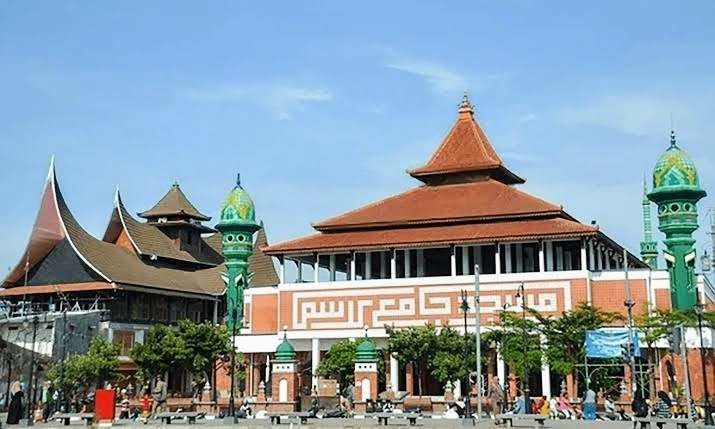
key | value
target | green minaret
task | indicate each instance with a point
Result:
(237, 225)
(649, 247)
(676, 191)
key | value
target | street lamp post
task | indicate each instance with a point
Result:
(478, 335)
(31, 405)
(465, 309)
(231, 398)
(708, 414)
(527, 400)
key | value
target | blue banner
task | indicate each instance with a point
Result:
(610, 343)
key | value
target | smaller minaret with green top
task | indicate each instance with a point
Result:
(237, 225)
(676, 191)
(649, 247)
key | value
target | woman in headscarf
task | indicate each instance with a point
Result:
(14, 412)
(663, 405)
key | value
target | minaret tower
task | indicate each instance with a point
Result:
(676, 191)
(237, 225)
(649, 247)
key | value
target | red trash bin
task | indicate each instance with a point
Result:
(105, 401)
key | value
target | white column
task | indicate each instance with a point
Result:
(542, 267)
(507, 258)
(282, 271)
(408, 263)
(394, 373)
(383, 265)
(584, 259)
(549, 256)
(559, 258)
(393, 265)
(465, 260)
(545, 380)
(420, 262)
(478, 256)
(599, 259)
(353, 274)
(332, 267)
(591, 263)
(608, 261)
(519, 258)
(501, 369)
(315, 358)
(299, 264)
(497, 259)
(368, 265)
(453, 260)
(316, 269)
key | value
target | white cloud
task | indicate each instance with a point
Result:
(441, 79)
(283, 101)
(631, 113)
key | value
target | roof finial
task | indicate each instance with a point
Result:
(176, 183)
(238, 179)
(672, 138)
(465, 106)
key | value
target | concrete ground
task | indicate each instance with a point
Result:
(358, 423)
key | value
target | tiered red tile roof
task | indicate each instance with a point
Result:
(467, 197)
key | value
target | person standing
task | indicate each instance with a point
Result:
(158, 394)
(14, 412)
(589, 405)
(495, 395)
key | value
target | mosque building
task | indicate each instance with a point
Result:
(398, 262)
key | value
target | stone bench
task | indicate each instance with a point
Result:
(66, 417)
(168, 416)
(659, 422)
(537, 420)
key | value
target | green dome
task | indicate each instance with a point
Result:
(238, 206)
(285, 350)
(366, 351)
(675, 169)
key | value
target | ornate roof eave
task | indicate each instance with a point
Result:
(444, 221)
(51, 195)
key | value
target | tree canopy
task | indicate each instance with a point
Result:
(81, 371)
(339, 362)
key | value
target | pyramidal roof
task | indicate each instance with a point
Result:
(174, 203)
(465, 154)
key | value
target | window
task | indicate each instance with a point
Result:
(125, 341)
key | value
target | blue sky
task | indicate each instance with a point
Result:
(322, 106)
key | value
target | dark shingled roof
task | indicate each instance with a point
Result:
(150, 240)
(120, 267)
(174, 203)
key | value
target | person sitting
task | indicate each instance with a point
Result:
(609, 408)
(544, 408)
(388, 406)
(663, 405)
(519, 405)
(563, 407)
(639, 405)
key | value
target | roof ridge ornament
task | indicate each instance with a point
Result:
(238, 180)
(465, 106)
(673, 142)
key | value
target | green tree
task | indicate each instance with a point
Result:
(82, 371)
(449, 362)
(339, 362)
(163, 348)
(414, 345)
(511, 342)
(566, 335)
(204, 344)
